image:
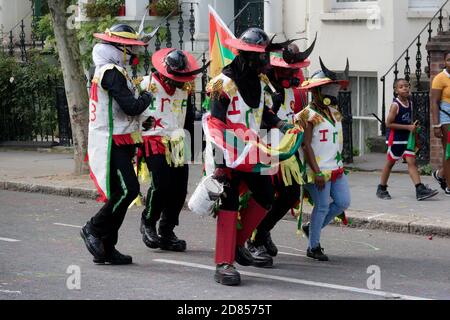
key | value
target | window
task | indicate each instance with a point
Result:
(352, 4)
(426, 4)
(364, 102)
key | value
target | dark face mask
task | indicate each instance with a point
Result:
(256, 61)
(174, 84)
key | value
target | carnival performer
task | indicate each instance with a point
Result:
(238, 104)
(401, 141)
(322, 150)
(114, 131)
(286, 76)
(164, 148)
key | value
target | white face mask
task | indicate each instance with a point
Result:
(331, 90)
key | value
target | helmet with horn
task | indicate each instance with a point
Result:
(291, 57)
(177, 65)
(326, 76)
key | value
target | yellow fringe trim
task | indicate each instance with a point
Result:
(215, 88)
(137, 137)
(174, 150)
(290, 171)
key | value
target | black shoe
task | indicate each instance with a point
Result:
(423, 192)
(270, 246)
(261, 258)
(317, 254)
(447, 191)
(305, 229)
(227, 275)
(243, 256)
(383, 194)
(442, 182)
(93, 244)
(170, 242)
(114, 257)
(150, 237)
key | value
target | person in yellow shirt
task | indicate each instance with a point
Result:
(440, 110)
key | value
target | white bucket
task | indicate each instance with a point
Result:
(205, 196)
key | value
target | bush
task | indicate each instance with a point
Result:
(28, 96)
(103, 8)
(426, 170)
(165, 7)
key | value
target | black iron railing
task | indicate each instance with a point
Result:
(345, 105)
(420, 94)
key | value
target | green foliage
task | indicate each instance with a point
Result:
(103, 8)
(86, 36)
(426, 170)
(356, 152)
(164, 7)
(27, 91)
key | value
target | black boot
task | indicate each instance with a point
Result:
(93, 244)
(150, 236)
(423, 192)
(261, 258)
(382, 193)
(243, 256)
(114, 257)
(270, 246)
(317, 254)
(227, 275)
(169, 241)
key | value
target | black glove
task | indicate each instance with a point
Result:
(147, 98)
(149, 123)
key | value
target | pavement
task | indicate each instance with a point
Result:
(42, 257)
(51, 173)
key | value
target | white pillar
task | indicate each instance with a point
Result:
(273, 17)
(136, 9)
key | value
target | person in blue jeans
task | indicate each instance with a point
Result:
(322, 150)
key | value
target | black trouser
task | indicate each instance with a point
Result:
(124, 188)
(166, 195)
(259, 185)
(287, 198)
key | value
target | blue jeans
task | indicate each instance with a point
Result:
(324, 211)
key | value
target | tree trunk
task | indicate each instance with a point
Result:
(74, 80)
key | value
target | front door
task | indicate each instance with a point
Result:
(252, 16)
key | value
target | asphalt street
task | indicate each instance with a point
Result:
(41, 253)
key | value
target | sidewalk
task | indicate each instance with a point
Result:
(31, 171)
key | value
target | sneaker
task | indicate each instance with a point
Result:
(442, 182)
(305, 229)
(317, 254)
(170, 242)
(243, 256)
(424, 192)
(227, 275)
(150, 237)
(383, 193)
(114, 257)
(93, 244)
(270, 246)
(447, 191)
(261, 258)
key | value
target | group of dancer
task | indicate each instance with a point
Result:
(262, 88)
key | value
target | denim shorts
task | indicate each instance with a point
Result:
(445, 118)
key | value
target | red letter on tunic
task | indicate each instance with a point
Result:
(162, 103)
(324, 135)
(233, 105)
